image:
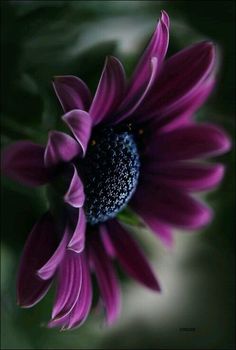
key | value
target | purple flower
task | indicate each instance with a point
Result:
(131, 144)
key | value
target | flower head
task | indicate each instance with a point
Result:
(133, 144)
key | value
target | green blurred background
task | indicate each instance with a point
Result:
(40, 39)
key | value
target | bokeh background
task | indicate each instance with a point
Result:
(40, 39)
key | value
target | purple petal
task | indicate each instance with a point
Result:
(130, 256)
(60, 148)
(171, 116)
(130, 105)
(185, 176)
(77, 241)
(39, 247)
(75, 195)
(106, 279)
(23, 161)
(161, 230)
(106, 241)
(82, 307)
(109, 92)
(156, 48)
(72, 92)
(69, 284)
(181, 74)
(189, 142)
(171, 206)
(48, 270)
(80, 124)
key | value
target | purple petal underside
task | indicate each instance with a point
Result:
(80, 124)
(72, 93)
(38, 249)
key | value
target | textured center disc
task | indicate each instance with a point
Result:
(110, 174)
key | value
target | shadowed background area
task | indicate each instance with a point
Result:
(41, 39)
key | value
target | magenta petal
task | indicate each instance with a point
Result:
(185, 176)
(75, 195)
(109, 92)
(106, 241)
(80, 124)
(189, 142)
(130, 256)
(156, 48)
(23, 161)
(107, 280)
(130, 105)
(171, 207)
(161, 230)
(72, 92)
(60, 148)
(48, 270)
(81, 310)
(77, 241)
(39, 247)
(181, 74)
(69, 284)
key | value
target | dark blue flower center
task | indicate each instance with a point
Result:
(110, 174)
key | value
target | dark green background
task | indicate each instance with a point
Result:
(40, 39)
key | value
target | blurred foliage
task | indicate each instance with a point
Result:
(41, 39)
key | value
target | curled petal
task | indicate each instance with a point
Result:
(80, 124)
(72, 92)
(107, 280)
(75, 195)
(38, 249)
(23, 161)
(69, 284)
(129, 106)
(60, 148)
(157, 47)
(48, 270)
(189, 142)
(109, 92)
(197, 63)
(130, 256)
(77, 241)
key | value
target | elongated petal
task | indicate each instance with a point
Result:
(81, 309)
(77, 241)
(39, 247)
(60, 148)
(108, 246)
(185, 176)
(190, 142)
(48, 270)
(107, 280)
(157, 47)
(23, 161)
(75, 195)
(171, 116)
(181, 74)
(80, 124)
(72, 92)
(157, 227)
(130, 256)
(83, 305)
(171, 207)
(69, 284)
(109, 92)
(130, 105)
